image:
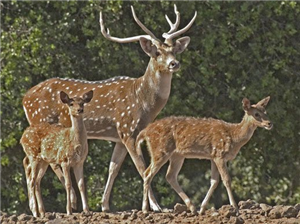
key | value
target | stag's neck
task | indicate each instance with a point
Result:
(242, 132)
(153, 86)
(78, 130)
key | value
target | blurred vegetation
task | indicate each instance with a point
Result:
(237, 49)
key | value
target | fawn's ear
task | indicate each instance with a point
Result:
(246, 104)
(264, 102)
(181, 44)
(148, 47)
(87, 97)
(64, 97)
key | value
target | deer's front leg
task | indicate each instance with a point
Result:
(68, 185)
(140, 165)
(222, 167)
(116, 161)
(59, 174)
(214, 181)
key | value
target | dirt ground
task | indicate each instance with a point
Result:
(249, 212)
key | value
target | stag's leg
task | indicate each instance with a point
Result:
(222, 167)
(148, 176)
(42, 167)
(176, 162)
(68, 184)
(59, 174)
(116, 161)
(78, 171)
(214, 181)
(140, 165)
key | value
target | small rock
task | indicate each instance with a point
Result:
(49, 215)
(275, 213)
(297, 207)
(24, 217)
(13, 218)
(166, 210)
(247, 204)
(236, 220)
(228, 211)
(289, 212)
(124, 216)
(55, 221)
(266, 208)
(179, 208)
(133, 215)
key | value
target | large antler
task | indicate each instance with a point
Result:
(176, 24)
(171, 34)
(107, 35)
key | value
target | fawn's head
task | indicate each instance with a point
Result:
(161, 53)
(76, 104)
(257, 113)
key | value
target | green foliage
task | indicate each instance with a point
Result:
(237, 49)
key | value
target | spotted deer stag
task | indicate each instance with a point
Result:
(175, 138)
(122, 106)
(46, 144)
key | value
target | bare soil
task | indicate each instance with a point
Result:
(249, 212)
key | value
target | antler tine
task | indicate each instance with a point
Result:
(142, 25)
(174, 26)
(117, 39)
(169, 37)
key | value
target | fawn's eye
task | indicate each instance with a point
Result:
(71, 104)
(157, 53)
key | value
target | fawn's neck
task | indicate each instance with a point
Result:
(78, 129)
(242, 132)
(154, 86)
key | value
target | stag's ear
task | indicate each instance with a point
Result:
(181, 44)
(246, 104)
(64, 97)
(264, 102)
(148, 47)
(87, 97)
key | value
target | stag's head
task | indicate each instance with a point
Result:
(162, 53)
(257, 113)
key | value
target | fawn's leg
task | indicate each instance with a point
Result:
(32, 200)
(42, 167)
(140, 165)
(214, 181)
(150, 172)
(59, 174)
(222, 167)
(176, 162)
(78, 171)
(116, 161)
(68, 184)
(27, 168)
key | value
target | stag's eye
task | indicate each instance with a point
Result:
(157, 53)
(256, 114)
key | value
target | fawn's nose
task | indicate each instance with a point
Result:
(80, 110)
(174, 64)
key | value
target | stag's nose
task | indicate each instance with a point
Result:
(174, 65)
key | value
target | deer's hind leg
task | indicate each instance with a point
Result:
(149, 174)
(214, 181)
(176, 162)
